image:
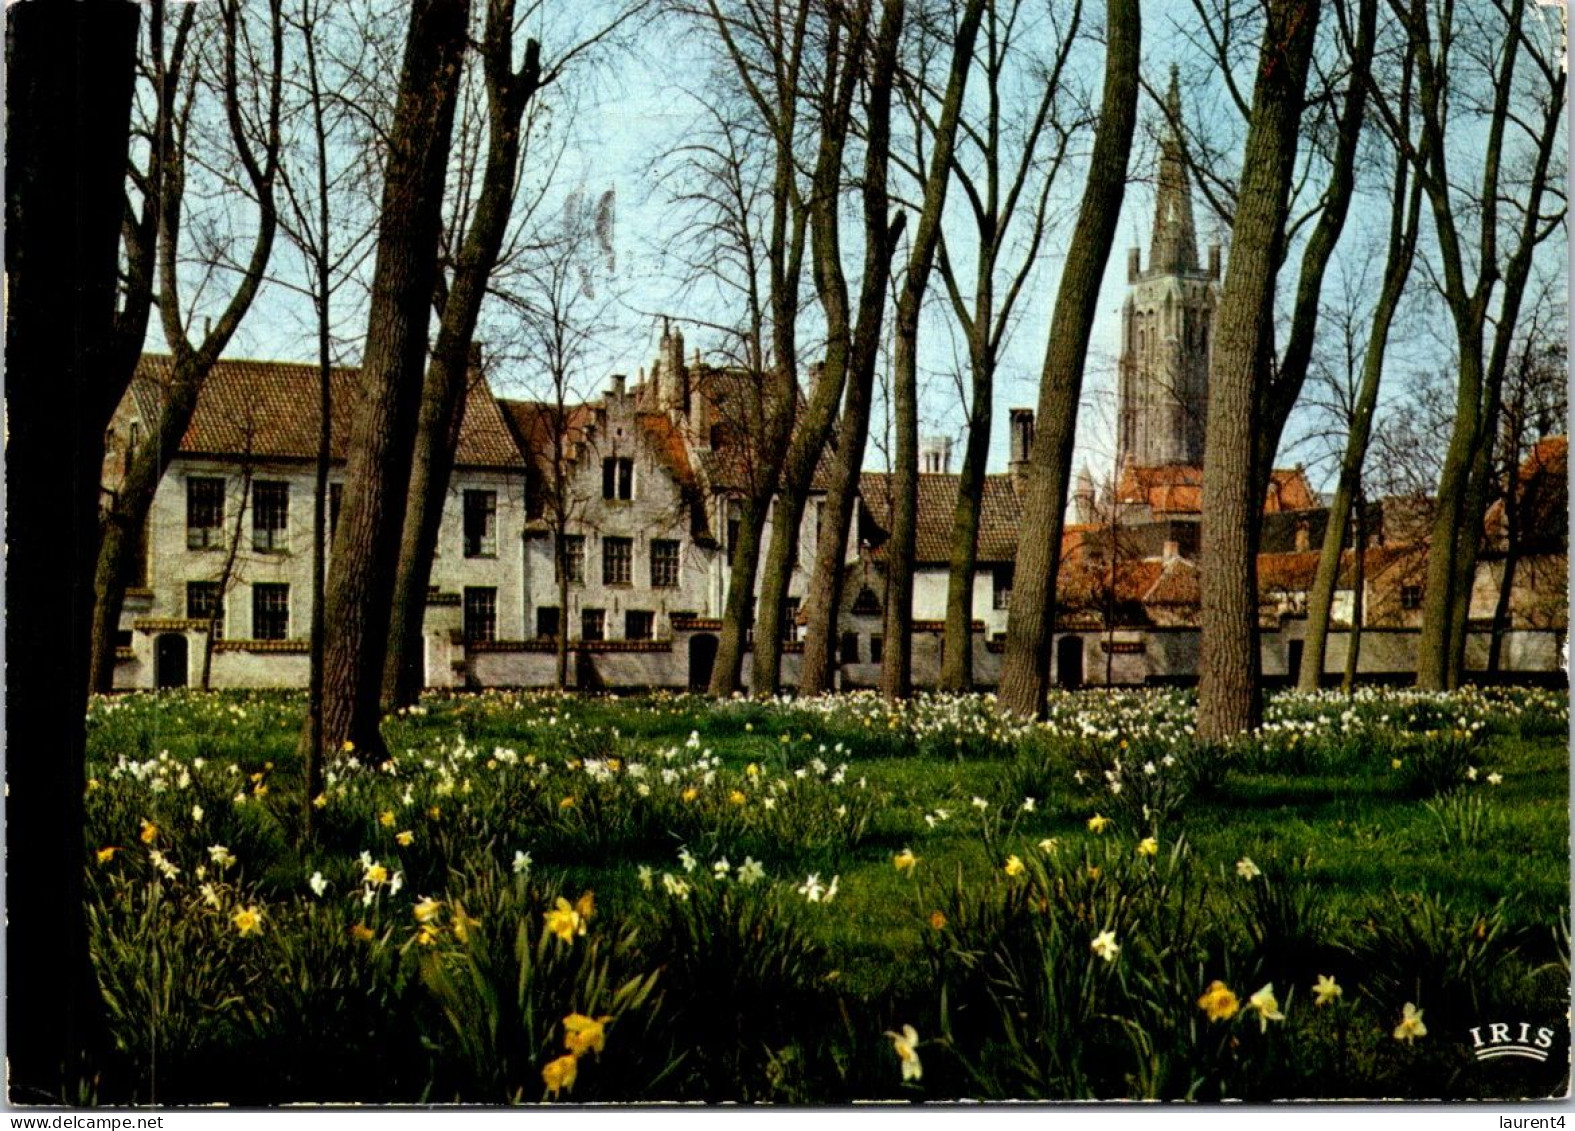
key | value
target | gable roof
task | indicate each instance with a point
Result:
(1000, 515)
(268, 410)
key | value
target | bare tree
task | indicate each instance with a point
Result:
(361, 580)
(1345, 509)
(851, 339)
(252, 127)
(994, 188)
(509, 91)
(1485, 46)
(562, 314)
(897, 669)
(1536, 400)
(1026, 664)
(765, 51)
(932, 178)
(70, 71)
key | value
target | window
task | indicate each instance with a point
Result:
(790, 620)
(481, 524)
(866, 603)
(270, 612)
(639, 624)
(336, 501)
(850, 647)
(205, 601)
(1001, 583)
(1410, 596)
(574, 557)
(270, 515)
(617, 478)
(204, 514)
(664, 563)
(877, 648)
(593, 624)
(732, 534)
(617, 560)
(547, 621)
(481, 613)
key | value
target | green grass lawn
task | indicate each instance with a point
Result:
(1414, 847)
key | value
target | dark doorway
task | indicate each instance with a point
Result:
(702, 658)
(169, 660)
(1069, 662)
(1293, 661)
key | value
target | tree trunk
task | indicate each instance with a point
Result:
(449, 372)
(1228, 685)
(1397, 269)
(728, 667)
(69, 86)
(1025, 666)
(957, 660)
(361, 581)
(897, 669)
(1353, 652)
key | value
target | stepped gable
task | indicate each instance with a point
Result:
(268, 410)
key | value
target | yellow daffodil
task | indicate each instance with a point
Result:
(150, 832)
(559, 1074)
(376, 875)
(582, 1034)
(1326, 990)
(1049, 845)
(1410, 1027)
(752, 770)
(463, 924)
(105, 855)
(1014, 866)
(248, 920)
(260, 790)
(1148, 846)
(429, 935)
(904, 860)
(690, 794)
(435, 813)
(736, 797)
(1219, 1002)
(1247, 870)
(405, 839)
(1395, 763)
(938, 920)
(1104, 945)
(1096, 823)
(348, 747)
(92, 784)
(566, 803)
(427, 910)
(386, 818)
(320, 801)
(564, 921)
(362, 933)
(905, 1044)
(1267, 1005)
(586, 905)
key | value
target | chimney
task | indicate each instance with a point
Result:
(1022, 445)
(617, 389)
(1134, 264)
(671, 379)
(699, 417)
(1214, 262)
(1170, 552)
(935, 455)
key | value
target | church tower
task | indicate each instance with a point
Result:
(1167, 324)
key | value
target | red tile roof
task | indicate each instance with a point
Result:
(268, 410)
(1178, 489)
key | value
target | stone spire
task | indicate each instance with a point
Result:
(1175, 242)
